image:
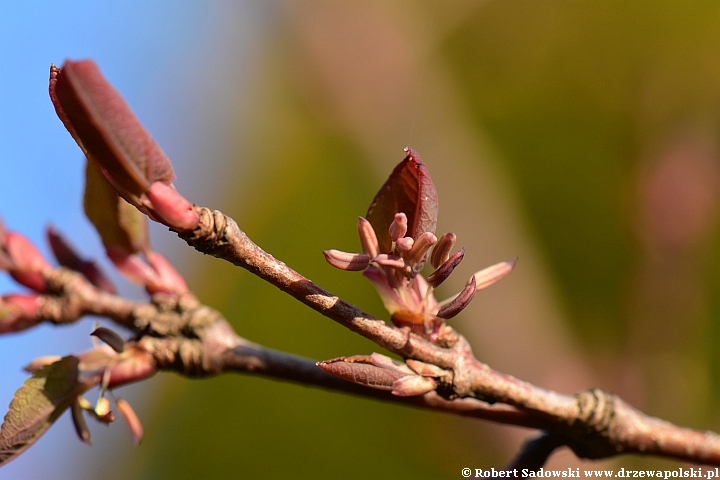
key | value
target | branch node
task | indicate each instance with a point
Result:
(591, 429)
(210, 232)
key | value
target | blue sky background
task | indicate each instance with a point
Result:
(159, 55)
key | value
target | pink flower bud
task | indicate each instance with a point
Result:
(27, 262)
(26, 304)
(416, 256)
(18, 312)
(352, 262)
(136, 365)
(132, 266)
(32, 280)
(404, 244)
(413, 385)
(24, 254)
(170, 279)
(392, 261)
(368, 239)
(441, 250)
(398, 227)
(171, 207)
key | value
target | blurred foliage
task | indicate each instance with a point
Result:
(579, 98)
(572, 93)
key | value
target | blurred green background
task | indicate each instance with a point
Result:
(580, 136)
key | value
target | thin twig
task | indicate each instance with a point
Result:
(535, 452)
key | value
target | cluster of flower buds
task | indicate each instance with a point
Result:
(409, 240)
(154, 272)
(26, 265)
(398, 238)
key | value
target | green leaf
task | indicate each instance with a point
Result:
(118, 223)
(409, 190)
(37, 404)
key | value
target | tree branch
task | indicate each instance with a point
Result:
(184, 336)
(595, 424)
(192, 339)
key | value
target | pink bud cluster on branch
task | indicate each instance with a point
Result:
(128, 179)
(397, 239)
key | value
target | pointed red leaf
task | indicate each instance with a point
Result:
(68, 257)
(359, 369)
(105, 128)
(409, 190)
(171, 281)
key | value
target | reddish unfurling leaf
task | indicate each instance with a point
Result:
(170, 279)
(458, 304)
(444, 271)
(360, 369)
(68, 257)
(409, 190)
(106, 129)
(132, 267)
